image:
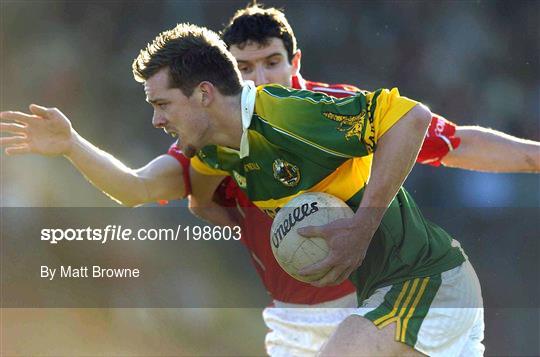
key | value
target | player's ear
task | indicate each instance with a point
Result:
(207, 92)
(296, 62)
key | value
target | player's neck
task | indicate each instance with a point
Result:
(228, 128)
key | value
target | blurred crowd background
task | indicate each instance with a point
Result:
(474, 62)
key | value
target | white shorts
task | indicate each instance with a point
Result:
(301, 330)
(450, 324)
(440, 315)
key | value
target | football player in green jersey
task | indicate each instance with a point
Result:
(400, 263)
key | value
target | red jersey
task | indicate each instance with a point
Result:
(256, 224)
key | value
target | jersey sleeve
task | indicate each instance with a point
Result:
(335, 90)
(386, 107)
(346, 127)
(439, 141)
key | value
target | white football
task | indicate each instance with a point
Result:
(294, 252)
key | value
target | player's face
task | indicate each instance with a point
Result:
(266, 64)
(180, 116)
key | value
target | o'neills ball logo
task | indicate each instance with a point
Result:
(287, 173)
(297, 215)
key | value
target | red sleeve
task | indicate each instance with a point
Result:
(438, 142)
(175, 152)
(226, 193)
(335, 90)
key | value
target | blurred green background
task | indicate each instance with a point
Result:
(475, 62)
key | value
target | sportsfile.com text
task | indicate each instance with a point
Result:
(121, 233)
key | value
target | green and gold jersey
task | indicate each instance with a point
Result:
(299, 141)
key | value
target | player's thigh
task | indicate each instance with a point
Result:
(358, 336)
(302, 331)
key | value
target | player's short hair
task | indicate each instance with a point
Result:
(193, 54)
(259, 25)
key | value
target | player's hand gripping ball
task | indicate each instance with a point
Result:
(294, 252)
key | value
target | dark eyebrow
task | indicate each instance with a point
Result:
(267, 57)
(154, 101)
(274, 54)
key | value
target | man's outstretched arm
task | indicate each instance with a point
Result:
(477, 148)
(489, 150)
(49, 132)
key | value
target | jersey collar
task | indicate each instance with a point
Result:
(248, 106)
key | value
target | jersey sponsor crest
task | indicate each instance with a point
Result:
(286, 173)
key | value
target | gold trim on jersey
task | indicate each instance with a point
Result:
(203, 168)
(390, 108)
(344, 182)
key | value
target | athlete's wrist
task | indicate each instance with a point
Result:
(367, 220)
(72, 143)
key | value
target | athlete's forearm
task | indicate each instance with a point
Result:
(201, 200)
(392, 162)
(107, 173)
(489, 150)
